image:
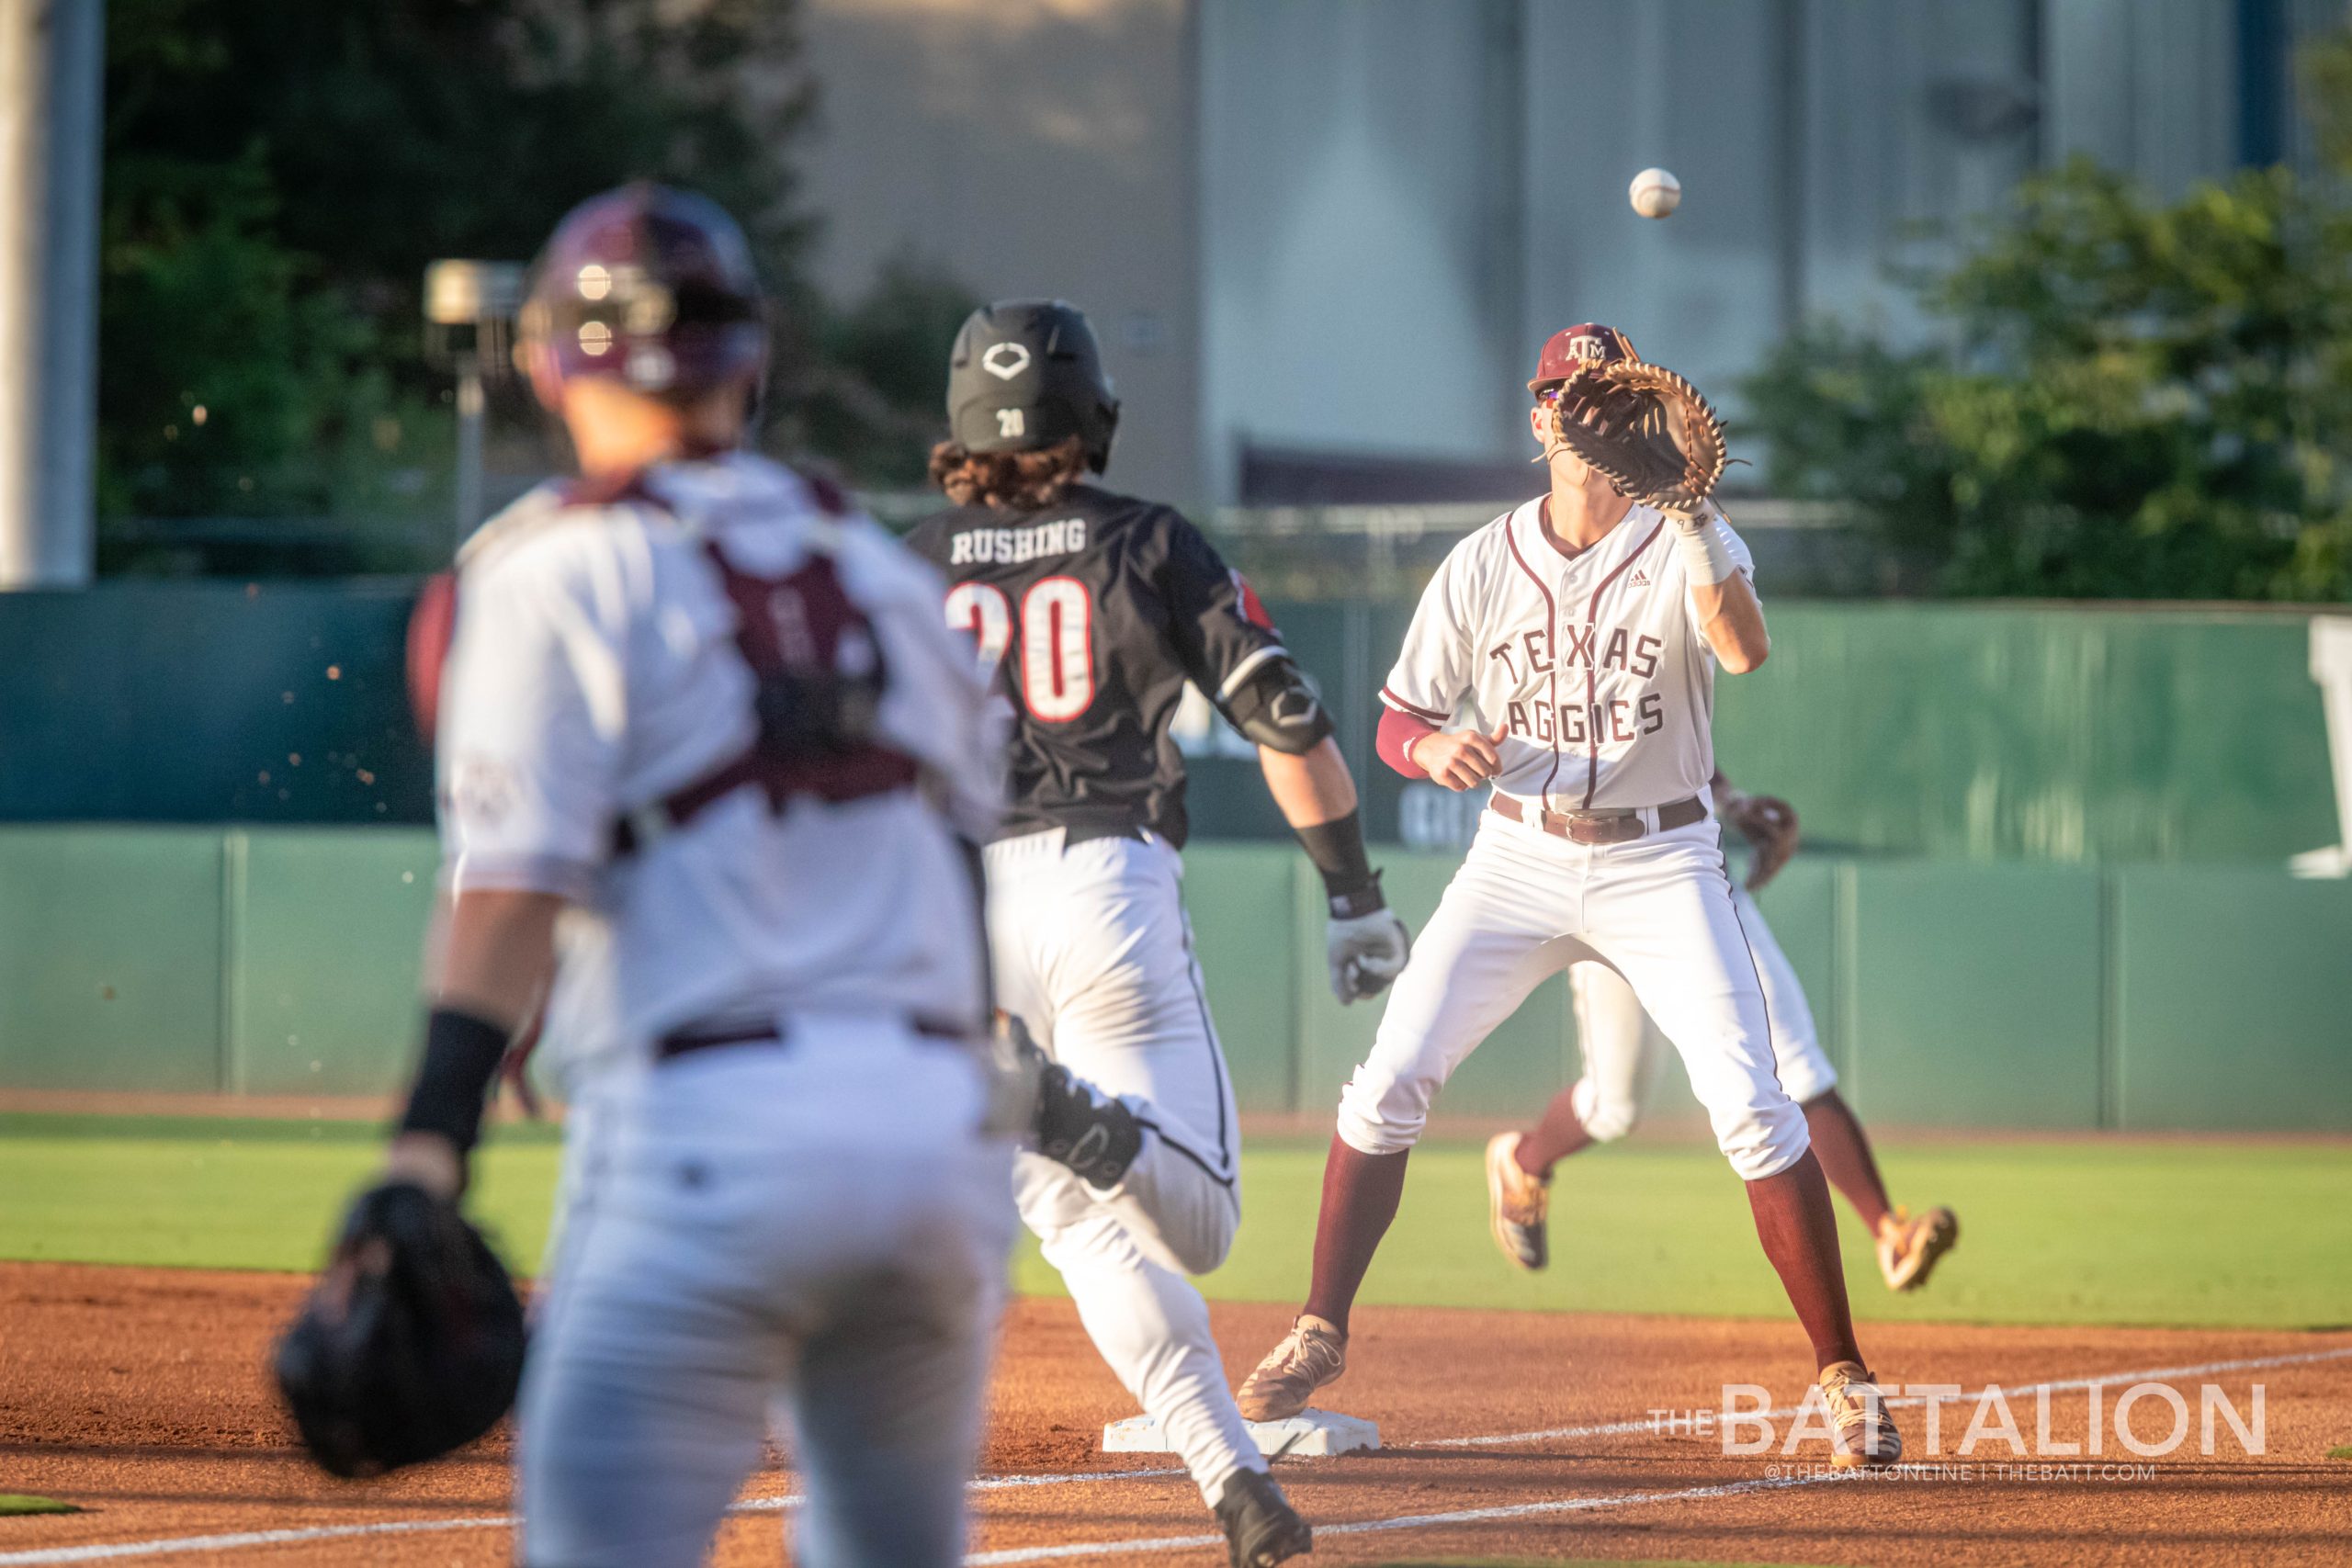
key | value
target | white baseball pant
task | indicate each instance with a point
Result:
(1526, 904)
(817, 1223)
(1623, 1047)
(1092, 949)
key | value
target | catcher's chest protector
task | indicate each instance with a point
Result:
(815, 660)
(819, 678)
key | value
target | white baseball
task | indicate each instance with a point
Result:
(1655, 193)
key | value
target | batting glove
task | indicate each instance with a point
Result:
(1366, 945)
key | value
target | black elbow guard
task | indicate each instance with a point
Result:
(1275, 708)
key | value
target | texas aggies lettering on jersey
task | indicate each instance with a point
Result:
(1580, 658)
(1093, 613)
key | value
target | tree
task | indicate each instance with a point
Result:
(2126, 400)
(2123, 399)
(279, 171)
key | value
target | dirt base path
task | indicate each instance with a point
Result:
(141, 1395)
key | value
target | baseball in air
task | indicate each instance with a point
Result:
(1655, 193)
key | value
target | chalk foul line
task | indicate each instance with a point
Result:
(1410, 1521)
(117, 1551)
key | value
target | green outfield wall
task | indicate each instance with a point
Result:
(2076, 735)
(283, 961)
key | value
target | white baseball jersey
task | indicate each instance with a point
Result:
(595, 673)
(1596, 660)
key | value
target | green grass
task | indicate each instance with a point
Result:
(2087, 1232)
(13, 1503)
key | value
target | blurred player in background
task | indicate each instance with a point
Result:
(710, 764)
(1623, 1050)
(1581, 631)
(1091, 610)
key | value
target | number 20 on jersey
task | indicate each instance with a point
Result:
(1056, 673)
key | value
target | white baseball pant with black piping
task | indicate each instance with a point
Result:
(1526, 904)
(816, 1224)
(1091, 948)
(1622, 1046)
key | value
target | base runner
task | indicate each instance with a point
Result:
(1622, 1049)
(709, 760)
(1091, 610)
(1580, 633)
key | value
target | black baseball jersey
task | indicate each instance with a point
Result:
(1091, 613)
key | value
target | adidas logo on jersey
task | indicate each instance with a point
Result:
(1641, 578)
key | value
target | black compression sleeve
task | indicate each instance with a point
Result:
(1337, 850)
(462, 1056)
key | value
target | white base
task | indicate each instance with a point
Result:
(1314, 1432)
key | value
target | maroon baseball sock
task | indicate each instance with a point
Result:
(1360, 1196)
(1846, 1157)
(1799, 1230)
(1557, 1136)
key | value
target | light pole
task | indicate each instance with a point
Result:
(469, 309)
(52, 62)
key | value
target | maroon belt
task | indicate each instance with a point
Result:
(1600, 827)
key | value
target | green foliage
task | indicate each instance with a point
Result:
(231, 383)
(279, 171)
(2123, 399)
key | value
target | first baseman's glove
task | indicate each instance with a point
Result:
(1366, 950)
(410, 1344)
(1643, 429)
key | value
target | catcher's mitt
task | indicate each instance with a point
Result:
(1643, 429)
(410, 1344)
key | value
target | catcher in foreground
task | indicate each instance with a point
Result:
(710, 762)
(1567, 653)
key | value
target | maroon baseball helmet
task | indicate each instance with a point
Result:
(1566, 350)
(652, 286)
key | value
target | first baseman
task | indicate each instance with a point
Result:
(1577, 638)
(1091, 610)
(1622, 1048)
(710, 764)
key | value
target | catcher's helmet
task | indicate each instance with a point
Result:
(1026, 374)
(1571, 348)
(652, 286)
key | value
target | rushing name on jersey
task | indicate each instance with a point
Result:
(1091, 613)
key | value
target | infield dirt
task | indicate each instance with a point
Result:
(140, 1394)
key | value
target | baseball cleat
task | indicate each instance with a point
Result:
(1908, 1249)
(1314, 1353)
(1861, 1431)
(1260, 1526)
(1518, 1205)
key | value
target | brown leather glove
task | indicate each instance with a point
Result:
(1769, 824)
